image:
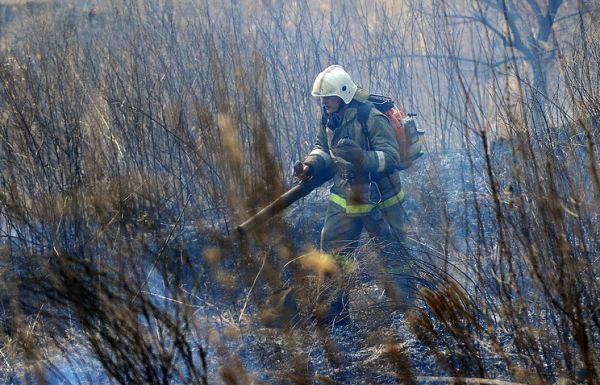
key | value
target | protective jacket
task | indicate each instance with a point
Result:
(352, 189)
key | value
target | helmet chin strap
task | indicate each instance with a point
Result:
(340, 108)
(334, 119)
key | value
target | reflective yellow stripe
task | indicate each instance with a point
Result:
(392, 200)
(365, 207)
(351, 209)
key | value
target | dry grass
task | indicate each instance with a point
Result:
(134, 138)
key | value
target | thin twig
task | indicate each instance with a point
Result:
(251, 288)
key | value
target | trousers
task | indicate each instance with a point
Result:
(341, 233)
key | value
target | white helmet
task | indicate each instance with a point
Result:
(334, 80)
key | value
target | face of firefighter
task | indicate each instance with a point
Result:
(332, 104)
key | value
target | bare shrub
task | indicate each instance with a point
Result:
(136, 135)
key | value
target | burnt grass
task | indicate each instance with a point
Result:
(220, 307)
(379, 345)
(456, 328)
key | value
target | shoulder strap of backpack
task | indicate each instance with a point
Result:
(362, 114)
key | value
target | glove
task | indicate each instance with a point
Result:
(351, 152)
(302, 171)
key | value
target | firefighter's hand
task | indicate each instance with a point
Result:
(302, 171)
(350, 151)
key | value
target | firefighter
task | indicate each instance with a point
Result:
(366, 192)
